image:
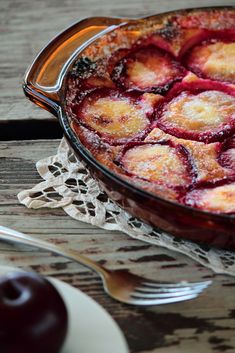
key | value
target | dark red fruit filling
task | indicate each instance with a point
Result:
(227, 156)
(148, 69)
(206, 116)
(214, 59)
(203, 157)
(180, 146)
(161, 163)
(116, 117)
(219, 199)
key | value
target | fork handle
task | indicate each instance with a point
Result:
(14, 236)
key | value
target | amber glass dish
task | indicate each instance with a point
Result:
(46, 84)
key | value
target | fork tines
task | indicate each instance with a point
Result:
(151, 293)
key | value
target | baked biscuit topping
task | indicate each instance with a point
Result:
(148, 69)
(214, 60)
(161, 163)
(154, 101)
(205, 116)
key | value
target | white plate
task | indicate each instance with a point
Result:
(91, 328)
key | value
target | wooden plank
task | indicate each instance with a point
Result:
(26, 26)
(206, 324)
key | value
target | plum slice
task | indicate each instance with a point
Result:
(214, 60)
(227, 159)
(148, 69)
(227, 156)
(116, 117)
(219, 199)
(158, 162)
(203, 157)
(207, 116)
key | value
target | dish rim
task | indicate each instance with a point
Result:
(73, 138)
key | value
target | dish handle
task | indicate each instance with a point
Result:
(43, 79)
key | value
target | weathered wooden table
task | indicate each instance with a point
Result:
(28, 134)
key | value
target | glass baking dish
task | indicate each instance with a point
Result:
(45, 85)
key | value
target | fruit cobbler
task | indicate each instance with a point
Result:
(154, 101)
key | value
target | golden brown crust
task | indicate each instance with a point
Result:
(174, 28)
(174, 33)
(204, 156)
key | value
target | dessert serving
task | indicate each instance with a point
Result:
(148, 105)
(154, 102)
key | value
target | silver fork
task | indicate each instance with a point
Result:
(119, 284)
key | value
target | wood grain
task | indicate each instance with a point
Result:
(206, 324)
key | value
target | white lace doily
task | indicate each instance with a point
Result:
(68, 184)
